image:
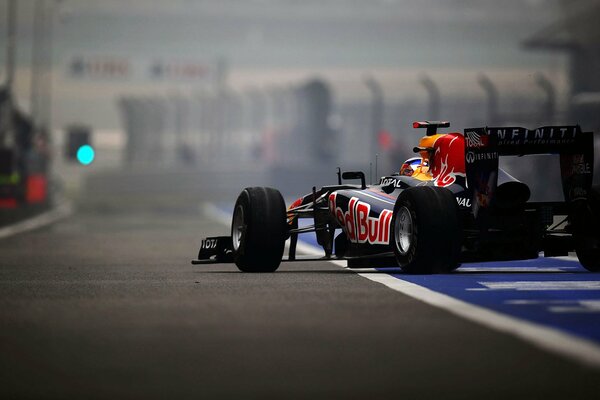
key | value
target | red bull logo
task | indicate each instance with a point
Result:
(448, 159)
(358, 225)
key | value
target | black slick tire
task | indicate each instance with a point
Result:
(259, 229)
(587, 233)
(425, 232)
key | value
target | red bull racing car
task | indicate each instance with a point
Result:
(452, 204)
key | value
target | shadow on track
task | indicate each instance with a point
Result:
(319, 271)
(397, 271)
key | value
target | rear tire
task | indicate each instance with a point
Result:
(587, 235)
(259, 229)
(426, 233)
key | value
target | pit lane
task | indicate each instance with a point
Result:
(104, 304)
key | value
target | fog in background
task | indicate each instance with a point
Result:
(202, 98)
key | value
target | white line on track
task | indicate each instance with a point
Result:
(515, 269)
(61, 211)
(552, 340)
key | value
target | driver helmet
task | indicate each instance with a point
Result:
(410, 166)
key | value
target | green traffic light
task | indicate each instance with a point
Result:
(86, 154)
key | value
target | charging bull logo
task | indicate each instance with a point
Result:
(448, 159)
(358, 225)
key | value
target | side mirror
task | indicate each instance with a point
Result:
(356, 175)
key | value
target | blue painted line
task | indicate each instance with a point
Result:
(568, 299)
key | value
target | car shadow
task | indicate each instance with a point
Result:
(306, 271)
(231, 269)
(394, 271)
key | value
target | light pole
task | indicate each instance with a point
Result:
(46, 60)
(11, 47)
(492, 98)
(36, 62)
(46, 83)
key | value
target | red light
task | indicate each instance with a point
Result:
(36, 189)
(417, 124)
(385, 140)
(8, 203)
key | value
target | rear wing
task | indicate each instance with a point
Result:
(484, 146)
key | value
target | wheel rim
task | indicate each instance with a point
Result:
(238, 227)
(403, 230)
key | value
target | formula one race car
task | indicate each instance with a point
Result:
(451, 204)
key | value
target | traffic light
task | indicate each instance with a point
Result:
(86, 154)
(79, 146)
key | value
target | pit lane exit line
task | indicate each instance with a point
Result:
(61, 211)
(544, 337)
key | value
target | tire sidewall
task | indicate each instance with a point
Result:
(243, 201)
(410, 255)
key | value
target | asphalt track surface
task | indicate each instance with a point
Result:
(105, 304)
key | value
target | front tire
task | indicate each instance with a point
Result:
(426, 233)
(258, 229)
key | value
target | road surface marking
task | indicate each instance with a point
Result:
(47, 218)
(515, 269)
(562, 306)
(539, 285)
